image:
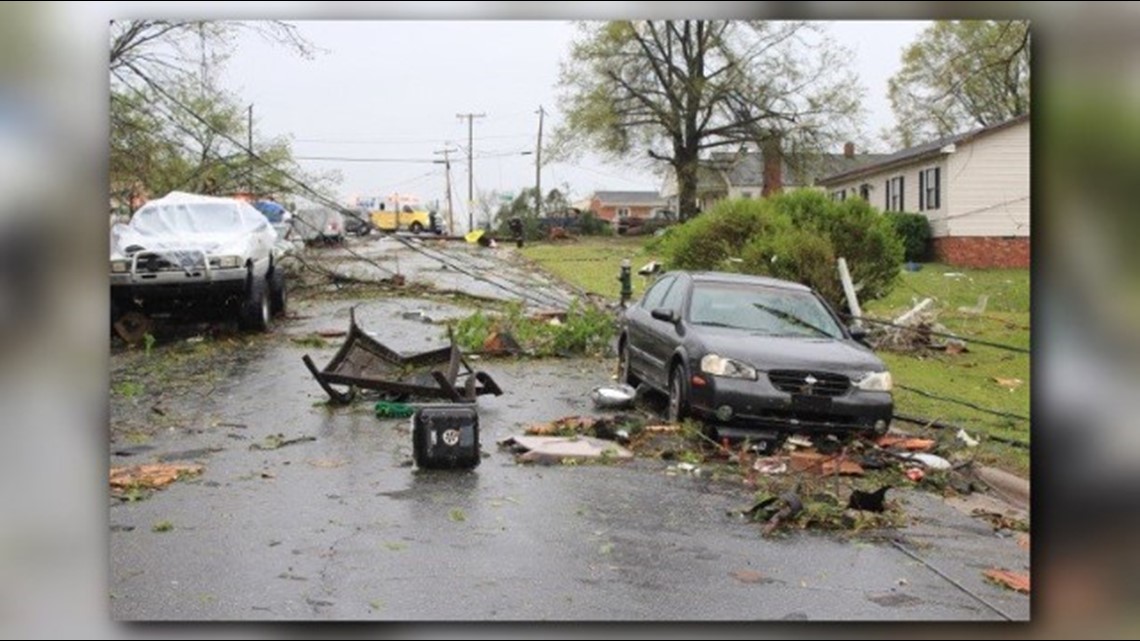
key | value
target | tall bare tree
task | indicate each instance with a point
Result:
(959, 75)
(679, 88)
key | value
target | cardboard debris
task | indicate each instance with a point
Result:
(892, 441)
(152, 476)
(662, 428)
(823, 464)
(554, 449)
(1013, 580)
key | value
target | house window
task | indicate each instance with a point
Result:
(895, 194)
(928, 189)
(839, 195)
(865, 191)
(746, 194)
(623, 213)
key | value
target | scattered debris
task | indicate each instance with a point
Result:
(1008, 383)
(1023, 540)
(152, 476)
(501, 343)
(749, 576)
(390, 409)
(615, 428)
(187, 455)
(331, 333)
(915, 474)
(799, 441)
(132, 327)
(931, 461)
(792, 507)
(896, 442)
(661, 428)
(417, 315)
(770, 465)
(162, 526)
(363, 362)
(966, 439)
(1013, 580)
(554, 449)
(824, 464)
(868, 501)
(688, 468)
(278, 441)
(609, 397)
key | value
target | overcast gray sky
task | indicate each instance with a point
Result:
(392, 89)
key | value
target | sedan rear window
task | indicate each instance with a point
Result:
(769, 311)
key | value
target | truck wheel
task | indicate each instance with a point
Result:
(255, 310)
(278, 293)
(416, 227)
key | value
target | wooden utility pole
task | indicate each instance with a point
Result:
(249, 151)
(470, 168)
(538, 166)
(447, 177)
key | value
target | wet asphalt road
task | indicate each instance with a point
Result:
(343, 528)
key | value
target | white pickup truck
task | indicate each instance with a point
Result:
(186, 253)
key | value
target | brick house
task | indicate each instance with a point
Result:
(973, 187)
(618, 205)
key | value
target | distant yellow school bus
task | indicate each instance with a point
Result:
(407, 218)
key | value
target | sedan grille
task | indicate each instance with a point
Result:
(809, 383)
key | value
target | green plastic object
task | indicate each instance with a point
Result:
(388, 409)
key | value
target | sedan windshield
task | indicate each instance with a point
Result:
(769, 311)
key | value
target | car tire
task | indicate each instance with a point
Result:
(678, 408)
(416, 227)
(256, 309)
(625, 369)
(278, 293)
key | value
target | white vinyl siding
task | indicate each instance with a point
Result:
(989, 180)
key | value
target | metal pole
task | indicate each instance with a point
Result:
(470, 168)
(538, 166)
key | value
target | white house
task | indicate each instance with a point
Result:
(973, 187)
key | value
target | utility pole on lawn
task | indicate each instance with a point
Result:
(470, 168)
(447, 178)
(249, 151)
(538, 166)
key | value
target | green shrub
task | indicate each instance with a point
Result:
(709, 240)
(796, 236)
(914, 230)
(591, 225)
(799, 255)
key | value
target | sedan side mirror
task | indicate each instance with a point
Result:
(664, 314)
(858, 332)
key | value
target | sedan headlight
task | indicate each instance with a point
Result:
(225, 262)
(875, 382)
(720, 366)
(120, 266)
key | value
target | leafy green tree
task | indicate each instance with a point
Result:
(959, 75)
(677, 88)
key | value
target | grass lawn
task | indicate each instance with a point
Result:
(593, 264)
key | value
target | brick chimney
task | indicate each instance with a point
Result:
(849, 150)
(773, 167)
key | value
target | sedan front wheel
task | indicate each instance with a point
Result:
(678, 398)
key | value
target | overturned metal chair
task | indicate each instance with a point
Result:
(363, 362)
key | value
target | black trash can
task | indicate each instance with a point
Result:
(446, 437)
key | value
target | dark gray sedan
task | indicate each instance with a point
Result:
(758, 357)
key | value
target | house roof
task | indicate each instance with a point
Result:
(747, 169)
(919, 152)
(632, 198)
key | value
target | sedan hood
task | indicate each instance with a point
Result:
(788, 352)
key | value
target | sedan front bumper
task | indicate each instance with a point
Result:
(747, 405)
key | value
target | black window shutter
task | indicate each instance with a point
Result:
(902, 193)
(887, 196)
(921, 195)
(937, 187)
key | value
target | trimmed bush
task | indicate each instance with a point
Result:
(914, 230)
(709, 240)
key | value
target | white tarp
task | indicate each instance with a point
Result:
(180, 225)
